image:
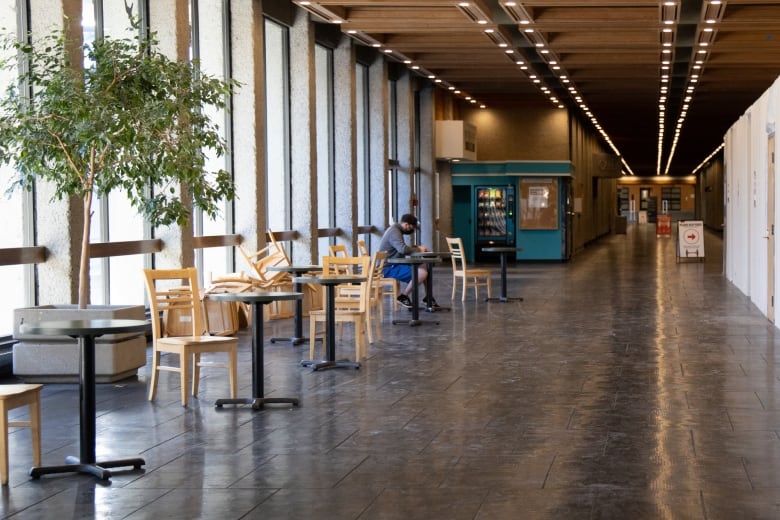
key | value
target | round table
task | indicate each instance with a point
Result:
(296, 271)
(503, 251)
(330, 283)
(86, 331)
(257, 299)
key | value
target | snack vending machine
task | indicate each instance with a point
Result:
(495, 220)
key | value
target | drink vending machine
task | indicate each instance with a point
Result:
(495, 220)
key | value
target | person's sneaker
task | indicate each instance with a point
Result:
(431, 303)
(405, 301)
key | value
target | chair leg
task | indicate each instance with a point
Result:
(155, 373)
(3, 444)
(233, 372)
(184, 372)
(35, 428)
(312, 336)
(465, 288)
(454, 283)
(195, 373)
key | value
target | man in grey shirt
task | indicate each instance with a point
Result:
(393, 242)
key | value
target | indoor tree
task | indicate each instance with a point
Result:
(129, 119)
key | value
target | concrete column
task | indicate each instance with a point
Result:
(249, 122)
(59, 222)
(303, 140)
(345, 142)
(378, 142)
(429, 189)
(406, 160)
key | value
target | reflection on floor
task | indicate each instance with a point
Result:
(626, 385)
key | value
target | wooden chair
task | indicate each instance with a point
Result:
(15, 396)
(184, 303)
(475, 278)
(339, 251)
(349, 308)
(378, 289)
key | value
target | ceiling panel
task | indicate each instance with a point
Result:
(611, 51)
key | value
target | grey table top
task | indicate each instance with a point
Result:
(256, 296)
(84, 327)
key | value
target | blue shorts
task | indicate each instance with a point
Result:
(401, 272)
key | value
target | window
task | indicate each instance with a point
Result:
(209, 48)
(16, 210)
(277, 92)
(326, 211)
(392, 150)
(672, 198)
(115, 280)
(362, 149)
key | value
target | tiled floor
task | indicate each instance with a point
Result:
(625, 386)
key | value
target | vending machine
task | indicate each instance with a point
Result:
(495, 220)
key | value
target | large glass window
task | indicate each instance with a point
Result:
(392, 150)
(16, 209)
(115, 280)
(210, 49)
(362, 148)
(326, 211)
(277, 126)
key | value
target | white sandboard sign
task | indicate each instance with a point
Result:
(690, 239)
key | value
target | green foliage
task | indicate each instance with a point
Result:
(132, 119)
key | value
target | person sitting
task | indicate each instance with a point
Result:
(393, 242)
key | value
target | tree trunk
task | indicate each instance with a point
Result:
(84, 264)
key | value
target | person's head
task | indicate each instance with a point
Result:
(408, 224)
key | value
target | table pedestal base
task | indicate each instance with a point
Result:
(97, 469)
(325, 364)
(257, 402)
(504, 299)
(294, 340)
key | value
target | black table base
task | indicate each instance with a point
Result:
(415, 321)
(258, 399)
(97, 469)
(326, 364)
(85, 463)
(257, 402)
(503, 298)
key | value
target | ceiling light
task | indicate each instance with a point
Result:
(516, 12)
(331, 15)
(473, 12)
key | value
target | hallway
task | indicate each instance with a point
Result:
(625, 386)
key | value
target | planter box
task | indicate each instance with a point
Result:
(55, 359)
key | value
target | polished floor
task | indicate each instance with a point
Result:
(625, 386)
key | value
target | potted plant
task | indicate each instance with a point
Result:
(131, 119)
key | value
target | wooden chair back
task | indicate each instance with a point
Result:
(179, 305)
(347, 296)
(457, 255)
(362, 248)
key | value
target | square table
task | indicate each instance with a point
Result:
(330, 283)
(297, 271)
(503, 251)
(257, 299)
(414, 261)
